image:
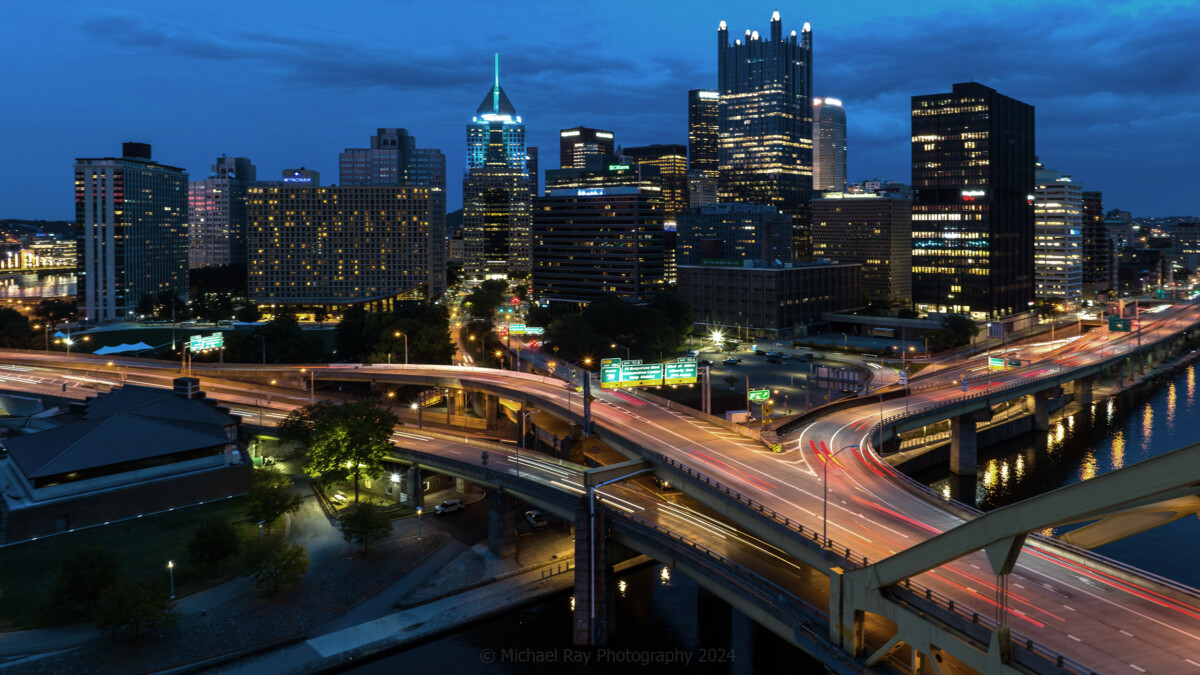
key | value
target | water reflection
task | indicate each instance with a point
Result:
(35, 286)
(1120, 433)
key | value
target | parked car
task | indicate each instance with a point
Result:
(693, 353)
(772, 359)
(731, 362)
(785, 357)
(706, 362)
(773, 354)
(805, 357)
(536, 519)
(448, 506)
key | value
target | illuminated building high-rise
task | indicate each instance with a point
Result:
(131, 232)
(1058, 238)
(577, 144)
(873, 230)
(829, 145)
(1097, 247)
(671, 161)
(765, 122)
(972, 178)
(496, 190)
(704, 130)
(217, 213)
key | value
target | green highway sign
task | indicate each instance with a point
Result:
(996, 362)
(604, 363)
(758, 394)
(197, 343)
(534, 330)
(681, 372)
(631, 374)
(516, 329)
(1116, 323)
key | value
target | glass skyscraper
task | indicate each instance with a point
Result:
(496, 191)
(829, 145)
(765, 121)
(704, 130)
(973, 179)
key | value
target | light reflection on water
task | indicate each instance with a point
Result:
(1112, 435)
(34, 286)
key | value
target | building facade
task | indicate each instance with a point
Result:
(217, 213)
(972, 177)
(829, 145)
(1058, 239)
(496, 191)
(730, 233)
(1097, 247)
(775, 301)
(131, 232)
(873, 230)
(704, 131)
(592, 241)
(577, 144)
(765, 121)
(330, 247)
(672, 162)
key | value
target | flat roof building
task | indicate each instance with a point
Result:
(732, 233)
(873, 230)
(575, 145)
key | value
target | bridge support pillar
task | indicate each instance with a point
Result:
(502, 524)
(595, 604)
(845, 624)
(1039, 404)
(457, 400)
(414, 487)
(492, 411)
(1083, 391)
(964, 442)
(741, 641)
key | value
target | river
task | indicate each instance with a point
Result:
(35, 286)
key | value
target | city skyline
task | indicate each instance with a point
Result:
(296, 91)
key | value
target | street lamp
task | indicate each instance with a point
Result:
(497, 354)
(524, 420)
(419, 510)
(627, 356)
(398, 334)
(171, 571)
(825, 501)
(418, 409)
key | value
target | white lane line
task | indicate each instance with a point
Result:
(1069, 607)
(1074, 638)
(1126, 633)
(1193, 662)
(1140, 670)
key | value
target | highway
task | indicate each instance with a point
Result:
(1107, 624)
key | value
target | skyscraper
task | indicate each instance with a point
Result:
(671, 161)
(765, 122)
(1058, 238)
(829, 145)
(531, 165)
(733, 232)
(874, 230)
(381, 164)
(1097, 247)
(217, 213)
(972, 158)
(496, 190)
(131, 231)
(704, 130)
(577, 144)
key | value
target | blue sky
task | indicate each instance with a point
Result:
(290, 84)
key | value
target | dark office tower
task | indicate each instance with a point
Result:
(731, 233)
(131, 231)
(531, 165)
(392, 159)
(1097, 247)
(972, 177)
(829, 145)
(217, 213)
(576, 145)
(591, 241)
(704, 132)
(873, 230)
(496, 194)
(671, 161)
(766, 122)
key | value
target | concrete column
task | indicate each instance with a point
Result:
(457, 402)
(502, 524)
(963, 445)
(491, 411)
(741, 642)
(595, 604)
(1041, 411)
(1083, 391)
(414, 487)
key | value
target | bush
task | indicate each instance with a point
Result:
(214, 541)
(270, 496)
(279, 563)
(128, 608)
(365, 524)
(84, 576)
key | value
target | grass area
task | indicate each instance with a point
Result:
(144, 545)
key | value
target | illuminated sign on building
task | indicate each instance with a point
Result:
(589, 192)
(618, 167)
(297, 177)
(710, 94)
(603, 134)
(573, 132)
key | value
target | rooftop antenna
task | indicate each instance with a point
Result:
(496, 89)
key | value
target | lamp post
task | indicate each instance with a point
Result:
(627, 356)
(498, 354)
(171, 571)
(398, 334)
(419, 510)
(825, 501)
(571, 382)
(524, 421)
(417, 407)
(592, 545)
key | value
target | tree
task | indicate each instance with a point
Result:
(365, 524)
(283, 339)
(54, 311)
(83, 576)
(126, 607)
(248, 313)
(300, 424)
(320, 316)
(279, 563)
(350, 440)
(270, 496)
(961, 328)
(349, 337)
(522, 292)
(215, 540)
(907, 313)
(15, 330)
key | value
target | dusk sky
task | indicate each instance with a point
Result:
(290, 84)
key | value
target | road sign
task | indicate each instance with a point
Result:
(1014, 363)
(1116, 323)
(758, 394)
(534, 330)
(198, 343)
(631, 374)
(516, 329)
(681, 372)
(996, 362)
(604, 363)
(903, 378)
